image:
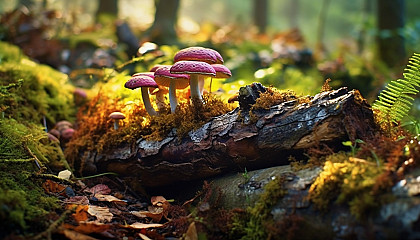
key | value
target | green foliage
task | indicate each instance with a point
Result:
(396, 99)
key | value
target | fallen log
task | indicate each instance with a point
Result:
(238, 140)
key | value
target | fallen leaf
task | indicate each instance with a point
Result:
(73, 235)
(52, 187)
(158, 200)
(65, 174)
(155, 213)
(144, 237)
(102, 214)
(138, 225)
(191, 233)
(81, 212)
(88, 227)
(99, 189)
(82, 200)
(109, 198)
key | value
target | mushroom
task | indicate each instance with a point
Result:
(154, 68)
(221, 72)
(116, 116)
(160, 96)
(66, 134)
(149, 74)
(201, 54)
(164, 77)
(143, 82)
(196, 54)
(219, 58)
(197, 72)
(62, 125)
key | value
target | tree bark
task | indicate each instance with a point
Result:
(163, 29)
(260, 15)
(391, 20)
(109, 7)
(236, 140)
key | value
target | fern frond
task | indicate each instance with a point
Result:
(396, 99)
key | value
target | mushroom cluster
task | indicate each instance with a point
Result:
(191, 67)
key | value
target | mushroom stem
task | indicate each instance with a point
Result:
(160, 100)
(146, 100)
(194, 86)
(173, 101)
(116, 125)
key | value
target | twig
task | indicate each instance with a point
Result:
(53, 227)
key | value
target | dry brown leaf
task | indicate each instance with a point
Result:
(99, 189)
(155, 213)
(138, 225)
(191, 233)
(81, 212)
(73, 235)
(144, 237)
(88, 227)
(81, 200)
(102, 214)
(158, 200)
(52, 187)
(109, 198)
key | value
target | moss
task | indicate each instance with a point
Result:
(30, 91)
(347, 180)
(24, 207)
(253, 223)
(95, 130)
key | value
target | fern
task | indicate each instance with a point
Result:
(396, 99)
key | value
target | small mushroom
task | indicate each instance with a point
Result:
(221, 72)
(197, 71)
(164, 77)
(160, 97)
(62, 125)
(116, 117)
(143, 82)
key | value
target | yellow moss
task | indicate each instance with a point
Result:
(347, 180)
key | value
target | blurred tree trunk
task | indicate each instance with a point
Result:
(366, 12)
(320, 50)
(107, 7)
(391, 19)
(260, 15)
(163, 29)
(293, 13)
(27, 3)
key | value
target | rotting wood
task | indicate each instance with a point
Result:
(235, 141)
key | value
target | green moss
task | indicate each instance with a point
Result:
(349, 181)
(24, 207)
(30, 91)
(254, 222)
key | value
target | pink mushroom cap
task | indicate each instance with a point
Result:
(219, 58)
(193, 67)
(196, 54)
(154, 68)
(163, 77)
(140, 81)
(222, 71)
(149, 74)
